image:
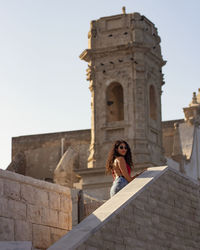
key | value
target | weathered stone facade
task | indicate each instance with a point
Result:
(125, 74)
(160, 208)
(43, 152)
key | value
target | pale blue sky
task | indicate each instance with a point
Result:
(43, 85)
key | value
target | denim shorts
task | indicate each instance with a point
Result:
(117, 185)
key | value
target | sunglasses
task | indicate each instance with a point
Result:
(122, 147)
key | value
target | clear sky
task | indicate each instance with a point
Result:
(43, 85)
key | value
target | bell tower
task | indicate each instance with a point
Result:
(125, 74)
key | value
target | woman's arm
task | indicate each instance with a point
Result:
(122, 166)
(139, 173)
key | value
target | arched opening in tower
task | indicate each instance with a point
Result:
(115, 102)
(153, 103)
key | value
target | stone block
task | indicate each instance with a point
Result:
(54, 200)
(6, 229)
(193, 204)
(3, 205)
(64, 221)
(41, 236)
(12, 189)
(23, 230)
(56, 234)
(14, 209)
(96, 242)
(120, 247)
(115, 236)
(1, 186)
(109, 244)
(50, 217)
(138, 212)
(33, 195)
(139, 56)
(15, 245)
(65, 203)
(82, 247)
(155, 219)
(72, 222)
(92, 248)
(139, 204)
(34, 214)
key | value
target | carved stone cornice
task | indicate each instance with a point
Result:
(89, 54)
(157, 59)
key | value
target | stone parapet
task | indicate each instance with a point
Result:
(34, 210)
(38, 155)
(27, 142)
(158, 210)
(170, 123)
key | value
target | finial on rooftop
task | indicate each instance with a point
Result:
(124, 10)
(194, 98)
(176, 125)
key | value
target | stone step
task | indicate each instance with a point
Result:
(15, 245)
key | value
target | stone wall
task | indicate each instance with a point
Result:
(158, 210)
(168, 136)
(34, 210)
(90, 204)
(43, 152)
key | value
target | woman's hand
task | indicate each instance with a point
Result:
(139, 173)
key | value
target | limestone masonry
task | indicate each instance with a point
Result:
(125, 79)
(34, 210)
(159, 210)
(56, 180)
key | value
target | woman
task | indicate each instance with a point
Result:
(119, 163)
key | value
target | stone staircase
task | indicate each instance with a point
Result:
(158, 210)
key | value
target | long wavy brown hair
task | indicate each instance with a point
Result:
(113, 154)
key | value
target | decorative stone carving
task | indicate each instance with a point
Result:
(192, 113)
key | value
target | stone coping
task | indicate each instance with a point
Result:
(194, 181)
(35, 136)
(90, 171)
(170, 123)
(5, 174)
(113, 206)
(15, 245)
